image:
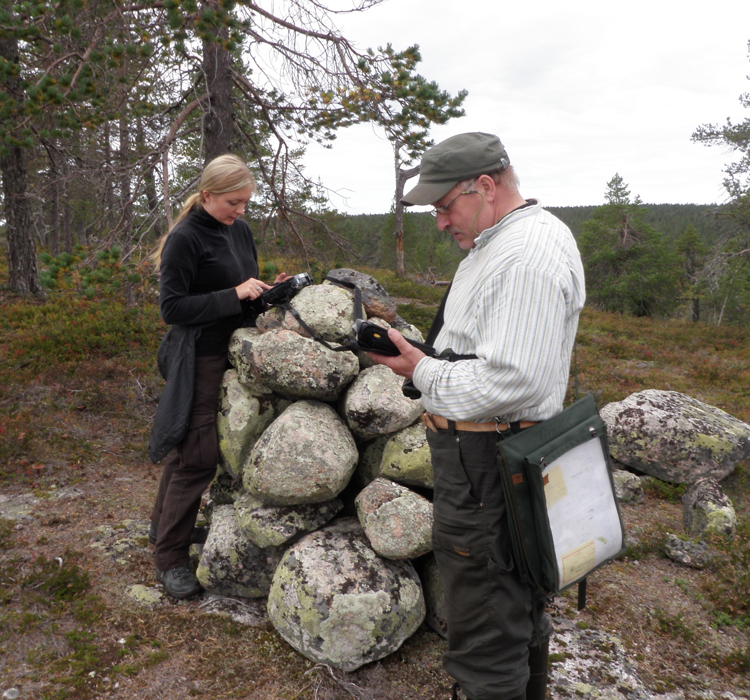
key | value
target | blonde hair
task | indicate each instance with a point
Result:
(225, 173)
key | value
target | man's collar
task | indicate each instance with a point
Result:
(525, 209)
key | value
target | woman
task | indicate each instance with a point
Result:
(209, 274)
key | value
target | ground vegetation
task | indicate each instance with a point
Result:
(78, 390)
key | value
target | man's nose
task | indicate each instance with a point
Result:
(443, 221)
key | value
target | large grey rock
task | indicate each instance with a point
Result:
(273, 526)
(326, 309)
(374, 404)
(224, 489)
(674, 437)
(407, 329)
(397, 521)
(628, 486)
(241, 420)
(406, 458)
(707, 510)
(370, 459)
(696, 555)
(297, 367)
(376, 300)
(241, 358)
(337, 602)
(434, 596)
(307, 455)
(231, 564)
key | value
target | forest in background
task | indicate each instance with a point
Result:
(426, 247)
(108, 114)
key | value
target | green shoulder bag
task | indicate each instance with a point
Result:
(563, 513)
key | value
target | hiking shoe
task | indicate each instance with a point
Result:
(457, 693)
(197, 536)
(180, 582)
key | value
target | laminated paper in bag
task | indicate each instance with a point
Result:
(562, 509)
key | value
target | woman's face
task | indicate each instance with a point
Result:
(227, 206)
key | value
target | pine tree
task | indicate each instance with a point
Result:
(629, 266)
(729, 266)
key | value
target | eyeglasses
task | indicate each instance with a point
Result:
(444, 209)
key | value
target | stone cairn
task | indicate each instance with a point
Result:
(322, 503)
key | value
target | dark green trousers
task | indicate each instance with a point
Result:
(488, 607)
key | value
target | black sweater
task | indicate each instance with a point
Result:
(202, 262)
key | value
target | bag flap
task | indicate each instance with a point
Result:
(552, 433)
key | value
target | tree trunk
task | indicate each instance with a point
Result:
(219, 119)
(107, 179)
(23, 272)
(401, 177)
(53, 176)
(67, 213)
(148, 180)
(125, 184)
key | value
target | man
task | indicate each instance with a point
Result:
(513, 307)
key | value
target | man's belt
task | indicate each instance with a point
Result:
(434, 423)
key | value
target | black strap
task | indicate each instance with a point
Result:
(582, 594)
(437, 322)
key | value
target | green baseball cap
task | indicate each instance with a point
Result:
(458, 158)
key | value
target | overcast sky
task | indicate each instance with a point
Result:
(576, 91)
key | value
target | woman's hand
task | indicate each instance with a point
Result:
(252, 288)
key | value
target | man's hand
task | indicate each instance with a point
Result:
(404, 363)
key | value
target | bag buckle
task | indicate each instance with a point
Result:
(502, 433)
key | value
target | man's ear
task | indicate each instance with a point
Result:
(486, 186)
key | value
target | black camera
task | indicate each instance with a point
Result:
(371, 337)
(281, 293)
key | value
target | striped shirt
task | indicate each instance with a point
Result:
(514, 303)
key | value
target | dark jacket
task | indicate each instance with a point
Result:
(202, 261)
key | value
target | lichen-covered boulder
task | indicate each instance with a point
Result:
(307, 455)
(297, 367)
(233, 565)
(370, 458)
(240, 421)
(374, 404)
(337, 602)
(273, 526)
(397, 521)
(707, 510)
(328, 311)
(628, 487)
(434, 596)
(376, 300)
(406, 458)
(224, 489)
(696, 555)
(674, 437)
(241, 358)
(407, 329)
